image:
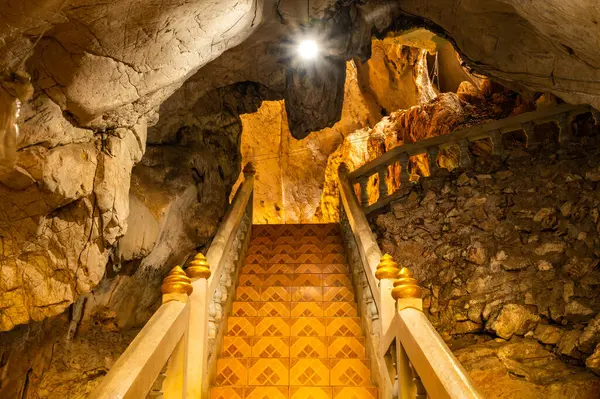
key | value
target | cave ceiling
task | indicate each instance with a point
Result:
(107, 64)
(112, 77)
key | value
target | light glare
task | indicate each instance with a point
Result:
(308, 49)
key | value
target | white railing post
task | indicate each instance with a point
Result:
(434, 365)
(134, 373)
(197, 330)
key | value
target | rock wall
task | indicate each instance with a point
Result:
(442, 115)
(508, 250)
(290, 172)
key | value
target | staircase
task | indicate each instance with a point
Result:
(293, 330)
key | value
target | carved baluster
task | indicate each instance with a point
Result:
(404, 174)
(529, 129)
(218, 308)
(364, 195)
(433, 156)
(420, 393)
(564, 131)
(465, 159)
(212, 314)
(383, 187)
(406, 383)
(224, 294)
(496, 137)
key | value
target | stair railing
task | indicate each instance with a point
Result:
(170, 356)
(412, 359)
(561, 115)
(422, 364)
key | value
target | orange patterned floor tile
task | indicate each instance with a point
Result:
(267, 347)
(309, 372)
(340, 309)
(276, 294)
(307, 294)
(240, 326)
(251, 280)
(338, 294)
(346, 348)
(309, 327)
(337, 280)
(272, 327)
(245, 309)
(227, 393)
(260, 392)
(250, 268)
(324, 268)
(270, 371)
(277, 280)
(293, 330)
(307, 280)
(307, 309)
(236, 347)
(278, 268)
(354, 393)
(311, 392)
(344, 327)
(231, 372)
(350, 372)
(247, 294)
(313, 347)
(274, 309)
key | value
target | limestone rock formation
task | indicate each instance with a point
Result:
(507, 248)
(522, 368)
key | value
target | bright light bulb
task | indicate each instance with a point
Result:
(308, 49)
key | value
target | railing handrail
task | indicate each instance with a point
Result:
(177, 333)
(367, 246)
(474, 133)
(441, 372)
(133, 374)
(225, 235)
(417, 341)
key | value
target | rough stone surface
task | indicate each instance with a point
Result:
(513, 319)
(499, 247)
(522, 368)
(548, 334)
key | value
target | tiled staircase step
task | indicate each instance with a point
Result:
(300, 268)
(281, 240)
(269, 371)
(293, 392)
(228, 392)
(293, 330)
(346, 348)
(294, 309)
(299, 230)
(350, 372)
(296, 346)
(354, 393)
(268, 347)
(294, 294)
(293, 258)
(293, 327)
(299, 248)
(261, 392)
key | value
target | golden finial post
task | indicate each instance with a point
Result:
(177, 286)
(387, 269)
(249, 169)
(407, 292)
(198, 268)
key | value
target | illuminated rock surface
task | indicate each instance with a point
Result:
(134, 138)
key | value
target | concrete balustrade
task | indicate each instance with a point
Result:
(422, 364)
(561, 116)
(177, 335)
